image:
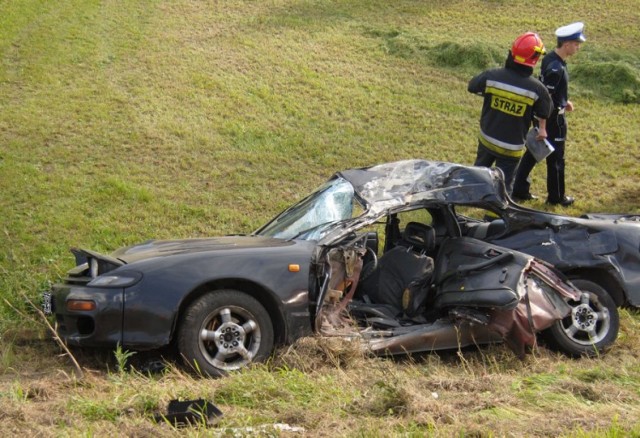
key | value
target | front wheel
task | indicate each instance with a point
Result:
(591, 327)
(224, 331)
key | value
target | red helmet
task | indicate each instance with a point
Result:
(527, 48)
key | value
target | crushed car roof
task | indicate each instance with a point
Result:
(398, 183)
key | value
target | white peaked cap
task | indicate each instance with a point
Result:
(571, 32)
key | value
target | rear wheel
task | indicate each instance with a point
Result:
(591, 327)
(223, 331)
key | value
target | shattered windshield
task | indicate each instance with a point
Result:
(311, 218)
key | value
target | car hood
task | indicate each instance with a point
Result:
(163, 248)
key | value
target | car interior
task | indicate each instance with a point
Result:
(402, 284)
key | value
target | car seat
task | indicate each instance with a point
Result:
(398, 286)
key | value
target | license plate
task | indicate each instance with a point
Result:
(47, 303)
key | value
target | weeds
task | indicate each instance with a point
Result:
(45, 322)
(122, 357)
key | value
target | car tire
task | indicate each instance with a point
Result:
(224, 331)
(592, 325)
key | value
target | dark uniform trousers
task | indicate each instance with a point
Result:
(556, 134)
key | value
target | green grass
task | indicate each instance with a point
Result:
(124, 121)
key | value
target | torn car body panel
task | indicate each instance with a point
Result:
(609, 243)
(609, 249)
(478, 294)
(392, 185)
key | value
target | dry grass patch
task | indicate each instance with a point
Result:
(322, 387)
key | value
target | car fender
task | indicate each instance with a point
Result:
(151, 307)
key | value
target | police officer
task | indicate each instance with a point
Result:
(511, 98)
(555, 77)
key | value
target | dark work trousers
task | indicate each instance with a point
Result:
(508, 165)
(556, 134)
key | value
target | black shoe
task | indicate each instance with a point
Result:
(524, 197)
(565, 202)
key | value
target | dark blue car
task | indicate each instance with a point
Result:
(401, 257)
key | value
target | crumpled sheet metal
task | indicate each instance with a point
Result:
(536, 311)
(394, 184)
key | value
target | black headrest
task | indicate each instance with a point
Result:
(419, 235)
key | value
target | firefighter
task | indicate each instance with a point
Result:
(512, 97)
(555, 77)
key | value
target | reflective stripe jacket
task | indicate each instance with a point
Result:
(511, 99)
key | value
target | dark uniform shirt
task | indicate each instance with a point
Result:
(511, 99)
(554, 75)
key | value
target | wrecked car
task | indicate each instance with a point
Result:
(402, 257)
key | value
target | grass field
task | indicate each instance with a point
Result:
(124, 121)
